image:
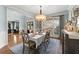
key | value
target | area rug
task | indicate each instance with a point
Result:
(17, 49)
(54, 47)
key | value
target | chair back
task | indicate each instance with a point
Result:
(47, 36)
(25, 38)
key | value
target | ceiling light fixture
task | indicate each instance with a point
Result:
(40, 17)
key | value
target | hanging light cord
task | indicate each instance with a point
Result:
(40, 10)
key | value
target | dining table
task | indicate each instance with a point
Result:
(38, 38)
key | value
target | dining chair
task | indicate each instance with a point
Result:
(47, 36)
(46, 39)
(28, 43)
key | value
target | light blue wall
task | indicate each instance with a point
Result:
(22, 23)
(3, 27)
(66, 16)
(13, 15)
(2, 18)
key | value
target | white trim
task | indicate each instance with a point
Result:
(20, 11)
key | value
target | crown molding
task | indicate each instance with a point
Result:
(19, 10)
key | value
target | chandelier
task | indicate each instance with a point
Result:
(40, 17)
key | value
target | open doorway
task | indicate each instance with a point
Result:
(13, 27)
(13, 32)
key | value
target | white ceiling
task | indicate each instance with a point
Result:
(47, 9)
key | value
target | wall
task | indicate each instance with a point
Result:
(3, 27)
(8, 14)
(65, 13)
(13, 15)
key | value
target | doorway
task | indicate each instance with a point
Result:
(13, 32)
(13, 27)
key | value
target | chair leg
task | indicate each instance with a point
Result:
(23, 49)
(46, 44)
(28, 50)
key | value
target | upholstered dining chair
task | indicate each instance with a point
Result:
(28, 43)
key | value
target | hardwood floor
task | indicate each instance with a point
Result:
(5, 50)
(13, 39)
(54, 46)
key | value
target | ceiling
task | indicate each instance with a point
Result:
(47, 9)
